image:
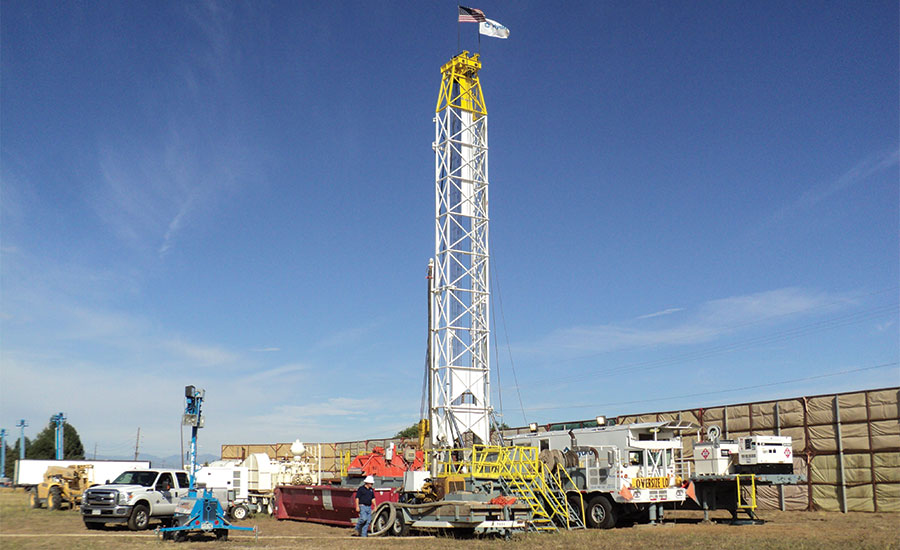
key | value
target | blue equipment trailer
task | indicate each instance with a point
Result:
(198, 512)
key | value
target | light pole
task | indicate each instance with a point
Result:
(60, 420)
(22, 425)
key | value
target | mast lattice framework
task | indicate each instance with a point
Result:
(460, 359)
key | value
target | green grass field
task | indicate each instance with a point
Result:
(22, 527)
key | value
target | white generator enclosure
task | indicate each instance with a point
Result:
(715, 458)
(766, 454)
(754, 454)
(231, 478)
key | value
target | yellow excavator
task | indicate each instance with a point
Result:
(62, 485)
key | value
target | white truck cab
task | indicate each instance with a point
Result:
(621, 470)
(135, 497)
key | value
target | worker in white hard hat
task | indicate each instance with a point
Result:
(365, 502)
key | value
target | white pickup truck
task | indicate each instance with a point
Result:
(135, 497)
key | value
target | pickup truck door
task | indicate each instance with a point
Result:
(184, 484)
(167, 494)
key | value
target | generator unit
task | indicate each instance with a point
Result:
(752, 454)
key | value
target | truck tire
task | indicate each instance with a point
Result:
(382, 519)
(33, 499)
(599, 512)
(239, 512)
(54, 499)
(400, 528)
(140, 518)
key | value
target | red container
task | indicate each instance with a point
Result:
(329, 504)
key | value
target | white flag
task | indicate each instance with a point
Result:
(489, 27)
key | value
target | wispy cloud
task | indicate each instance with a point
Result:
(265, 350)
(349, 335)
(668, 311)
(280, 373)
(200, 354)
(856, 176)
(863, 170)
(702, 324)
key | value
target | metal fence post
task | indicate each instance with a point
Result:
(840, 449)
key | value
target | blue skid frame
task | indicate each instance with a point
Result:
(206, 516)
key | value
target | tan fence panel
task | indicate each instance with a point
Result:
(791, 413)
(853, 407)
(887, 467)
(738, 419)
(885, 435)
(828, 498)
(763, 415)
(884, 405)
(821, 410)
(855, 436)
(692, 416)
(713, 415)
(857, 469)
(888, 497)
(822, 438)
(795, 498)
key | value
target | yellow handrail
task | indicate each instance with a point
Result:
(740, 501)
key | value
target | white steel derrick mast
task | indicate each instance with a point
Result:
(459, 377)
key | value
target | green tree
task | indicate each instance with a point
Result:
(44, 444)
(12, 455)
(411, 432)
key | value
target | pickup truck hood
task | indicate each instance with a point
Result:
(123, 488)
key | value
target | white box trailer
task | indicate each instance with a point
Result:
(31, 472)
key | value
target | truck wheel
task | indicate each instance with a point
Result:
(383, 519)
(54, 500)
(599, 512)
(34, 499)
(239, 512)
(400, 528)
(140, 518)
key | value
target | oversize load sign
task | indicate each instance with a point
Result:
(650, 483)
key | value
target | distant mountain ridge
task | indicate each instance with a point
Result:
(171, 461)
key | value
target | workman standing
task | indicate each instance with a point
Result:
(365, 501)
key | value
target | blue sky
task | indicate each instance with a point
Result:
(686, 199)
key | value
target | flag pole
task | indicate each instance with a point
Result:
(458, 49)
(478, 32)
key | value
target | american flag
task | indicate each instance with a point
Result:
(470, 15)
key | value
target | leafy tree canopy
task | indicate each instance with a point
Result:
(44, 444)
(412, 432)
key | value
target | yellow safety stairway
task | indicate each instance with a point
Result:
(523, 475)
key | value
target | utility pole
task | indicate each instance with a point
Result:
(22, 424)
(137, 443)
(60, 420)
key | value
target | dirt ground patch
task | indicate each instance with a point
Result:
(24, 528)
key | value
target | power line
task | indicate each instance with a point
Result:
(716, 392)
(512, 364)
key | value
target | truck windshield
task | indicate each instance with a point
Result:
(136, 478)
